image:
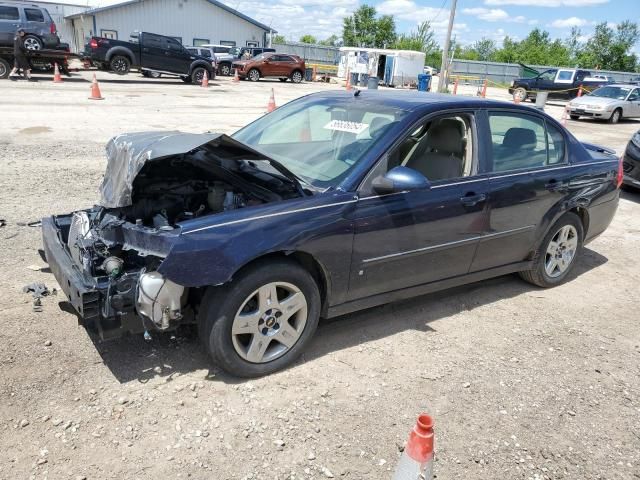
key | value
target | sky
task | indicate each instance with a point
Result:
(475, 19)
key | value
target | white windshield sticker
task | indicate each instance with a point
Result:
(344, 126)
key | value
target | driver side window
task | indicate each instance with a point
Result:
(441, 148)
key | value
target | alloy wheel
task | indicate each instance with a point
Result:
(119, 65)
(561, 251)
(225, 70)
(296, 77)
(254, 75)
(31, 43)
(269, 322)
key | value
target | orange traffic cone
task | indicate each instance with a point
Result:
(484, 89)
(417, 458)
(236, 78)
(95, 90)
(271, 106)
(205, 80)
(348, 84)
(580, 90)
(57, 78)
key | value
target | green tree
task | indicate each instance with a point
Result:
(331, 41)
(485, 49)
(364, 29)
(308, 39)
(279, 39)
(421, 40)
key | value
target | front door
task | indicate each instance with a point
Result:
(634, 103)
(527, 178)
(416, 237)
(179, 59)
(154, 54)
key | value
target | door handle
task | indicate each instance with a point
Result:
(554, 186)
(472, 199)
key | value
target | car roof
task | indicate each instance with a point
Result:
(413, 100)
(626, 85)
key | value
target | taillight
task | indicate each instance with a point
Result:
(52, 28)
(620, 176)
(93, 43)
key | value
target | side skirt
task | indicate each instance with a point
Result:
(423, 289)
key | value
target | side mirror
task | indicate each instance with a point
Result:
(400, 179)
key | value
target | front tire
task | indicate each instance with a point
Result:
(556, 256)
(519, 94)
(120, 64)
(224, 69)
(616, 116)
(253, 75)
(197, 75)
(263, 320)
(296, 77)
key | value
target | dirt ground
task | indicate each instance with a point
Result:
(523, 383)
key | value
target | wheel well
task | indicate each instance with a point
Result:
(306, 261)
(121, 53)
(584, 217)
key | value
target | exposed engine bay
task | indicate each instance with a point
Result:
(119, 244)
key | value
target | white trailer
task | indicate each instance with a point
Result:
(392, 67)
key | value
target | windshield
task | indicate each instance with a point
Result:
(618, 93)
(321, 140)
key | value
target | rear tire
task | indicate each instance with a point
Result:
(120, 64)
(574, 117)
(556, 256)
(31, 42)
(5, 68)
(244, 323)
(284, 79)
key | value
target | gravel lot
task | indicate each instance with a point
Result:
(523, 383)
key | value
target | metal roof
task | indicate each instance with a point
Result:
(212, 2)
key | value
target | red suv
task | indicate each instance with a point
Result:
(271, 65)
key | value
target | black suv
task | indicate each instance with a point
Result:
(37, 23)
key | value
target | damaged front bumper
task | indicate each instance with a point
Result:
(108, 306)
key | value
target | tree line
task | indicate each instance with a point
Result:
(609, 48)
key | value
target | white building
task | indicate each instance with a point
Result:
(191, 22)
(393, 67)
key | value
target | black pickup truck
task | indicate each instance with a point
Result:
(558, 82)
(149, 52)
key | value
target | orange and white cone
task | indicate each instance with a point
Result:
(236, 78)
(417, 459)
(348, 84)
(205, 80)
(271, 106)
(57, 78)
(95, 90)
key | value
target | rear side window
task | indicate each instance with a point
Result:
(555, 140)
(34, 15)
(205, 53)
(9, 13)
(519, 141)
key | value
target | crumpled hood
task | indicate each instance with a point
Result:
(129, 152)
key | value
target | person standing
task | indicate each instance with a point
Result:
(20, 58)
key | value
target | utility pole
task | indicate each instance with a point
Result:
(444, 68)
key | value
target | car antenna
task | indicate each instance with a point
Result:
(356, 93)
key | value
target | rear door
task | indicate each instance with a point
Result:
(528, 178)
(35, 22)
(634, 103)
(9, 23)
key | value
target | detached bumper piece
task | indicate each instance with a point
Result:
(87, 294)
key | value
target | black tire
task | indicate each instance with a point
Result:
(120, 64)
(574, 117)
(221, 304)
(538, 274)
(297, 76)
(151, 74)
(224, 69)
(284, 79)
(31, 42)
(5, 68)
(253, 75)
(616, 116)
(197, 75)
(186, 79)
(520, 93)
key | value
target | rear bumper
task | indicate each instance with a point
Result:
(86, 294)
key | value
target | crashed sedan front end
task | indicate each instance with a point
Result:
(106, 258)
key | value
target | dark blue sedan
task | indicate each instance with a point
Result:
(333, 203)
